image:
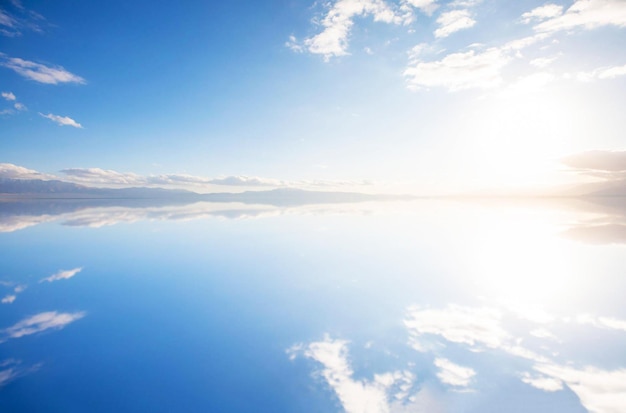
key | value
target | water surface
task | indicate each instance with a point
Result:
(425, 306)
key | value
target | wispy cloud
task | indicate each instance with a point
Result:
(62, 275)
(453, 374)
(544, 12)
(585, 14)
(62, 120)
(14, 22)
(453, 21)
(549, 384)
(457, 71)
(12, 369)
(40, 322)
(601, 73)
(474, 68)
(611, 162)
(40, 73)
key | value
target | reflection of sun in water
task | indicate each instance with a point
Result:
(518, 257)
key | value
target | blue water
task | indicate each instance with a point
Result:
(408, 307)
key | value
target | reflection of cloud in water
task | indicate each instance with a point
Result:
(40, 322)
(15, 223)
(94, 215)
(385, 393)
(606, 225)
(598, 234)
(600, 391)
(458, 324)
(476, 335)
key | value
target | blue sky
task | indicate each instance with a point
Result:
(410, 95)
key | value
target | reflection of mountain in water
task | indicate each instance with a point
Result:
(608, 222)
(24, 203)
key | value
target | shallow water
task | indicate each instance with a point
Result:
(423, 306)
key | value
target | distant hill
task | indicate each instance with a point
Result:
(25, 189)
(37, 188)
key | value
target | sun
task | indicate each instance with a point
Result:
(515, 137)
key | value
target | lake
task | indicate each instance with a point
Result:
(480, 305)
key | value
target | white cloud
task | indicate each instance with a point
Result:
(546, 11)
(19, 106)
(16, 223)
(103, 176)
(602, 73)
(338, 22)
(98, 176)
(599, 391)
(62, 120)
(457, 71)
(543, 333)
(62, 275)
(11, 171)
(453, 374)
(542, 62)
(8, 96)
(41, 322)
(385, 393)
(426, 6)
(8, 299)
(476, 327)
(458, 324)
(544, 383)
(453, 21)
(245, 181)
(355, 396)
(587, 14)
(602, 322)
(41, 73)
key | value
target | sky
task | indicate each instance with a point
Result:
(422, 96)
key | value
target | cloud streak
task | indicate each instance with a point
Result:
(39, 323)
(62, 275)
(38, 72)
(62, 120)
